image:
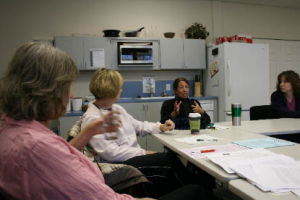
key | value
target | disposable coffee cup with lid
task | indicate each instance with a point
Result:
(195, 122)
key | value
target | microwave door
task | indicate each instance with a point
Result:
(135, 54)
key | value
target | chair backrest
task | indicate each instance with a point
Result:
(261, 112)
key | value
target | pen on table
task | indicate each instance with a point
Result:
(207, 150)
(199, 140)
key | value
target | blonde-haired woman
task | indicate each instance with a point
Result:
(123, 147)
(106, 85)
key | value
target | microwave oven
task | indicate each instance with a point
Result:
(135, 53)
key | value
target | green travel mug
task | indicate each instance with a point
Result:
(194, 120)
(236, 110)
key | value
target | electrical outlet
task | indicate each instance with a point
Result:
(168, 86)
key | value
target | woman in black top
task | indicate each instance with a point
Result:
(285, 100)
(178, 109)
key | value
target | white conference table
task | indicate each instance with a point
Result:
(248, 130)
(245, 190)
(269, 127)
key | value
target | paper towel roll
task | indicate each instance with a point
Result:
(197, 89)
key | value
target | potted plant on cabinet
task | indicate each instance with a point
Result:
(196, 31)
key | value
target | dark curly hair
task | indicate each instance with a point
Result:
(177, 80)
(292, 77)
(36, 82)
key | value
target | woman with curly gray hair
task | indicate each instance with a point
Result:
(39, 164)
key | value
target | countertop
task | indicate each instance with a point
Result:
(144, 99)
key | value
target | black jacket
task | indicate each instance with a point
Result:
(280, 109)
(181, 121)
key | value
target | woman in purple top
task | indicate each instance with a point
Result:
(285, 100)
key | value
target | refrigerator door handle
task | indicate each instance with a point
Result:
(228, 113)
(229, 77)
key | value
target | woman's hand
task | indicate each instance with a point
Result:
(176, 109)
(150, 152)
(110, 122)
(167, 126)
(197, 108)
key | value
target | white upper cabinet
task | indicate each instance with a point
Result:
(89, 53)
(182, 54)
(72, 46)
(97, 50)
(194, 54)
(171, 54)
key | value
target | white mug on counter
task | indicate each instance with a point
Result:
(69, 106)
(76, 104)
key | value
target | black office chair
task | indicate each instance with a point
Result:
(261, 112)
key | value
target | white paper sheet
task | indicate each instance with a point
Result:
(225, 159)
(198, 139)
(225, 148)
(97, 57)
(275, 173)
(219, 127)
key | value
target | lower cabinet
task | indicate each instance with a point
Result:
(210, 107)
(145, 111)
(66, 123)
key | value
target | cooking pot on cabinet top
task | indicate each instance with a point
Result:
(133, 33)
(111, 33)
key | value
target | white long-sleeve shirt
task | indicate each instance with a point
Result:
(126, 145)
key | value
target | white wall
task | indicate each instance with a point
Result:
(21, 21)
(284, 55)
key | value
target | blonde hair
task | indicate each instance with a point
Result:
(36, 82)
(106, 84)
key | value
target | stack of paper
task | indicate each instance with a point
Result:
(267, 170)
(224, 160)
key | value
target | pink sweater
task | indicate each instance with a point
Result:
(37, 164)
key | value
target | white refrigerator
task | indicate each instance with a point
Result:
(237, 73)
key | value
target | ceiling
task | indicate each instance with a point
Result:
(277, 3)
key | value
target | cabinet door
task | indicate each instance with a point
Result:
(171, 54)
(72, 46)
(210, 108)
(95, 43)
(194, 53)
(154, 145)
(66, 124)
(153, 115)
(136, 110)
(153, 111)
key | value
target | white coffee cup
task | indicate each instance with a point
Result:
(69, 106)
(76, 104)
